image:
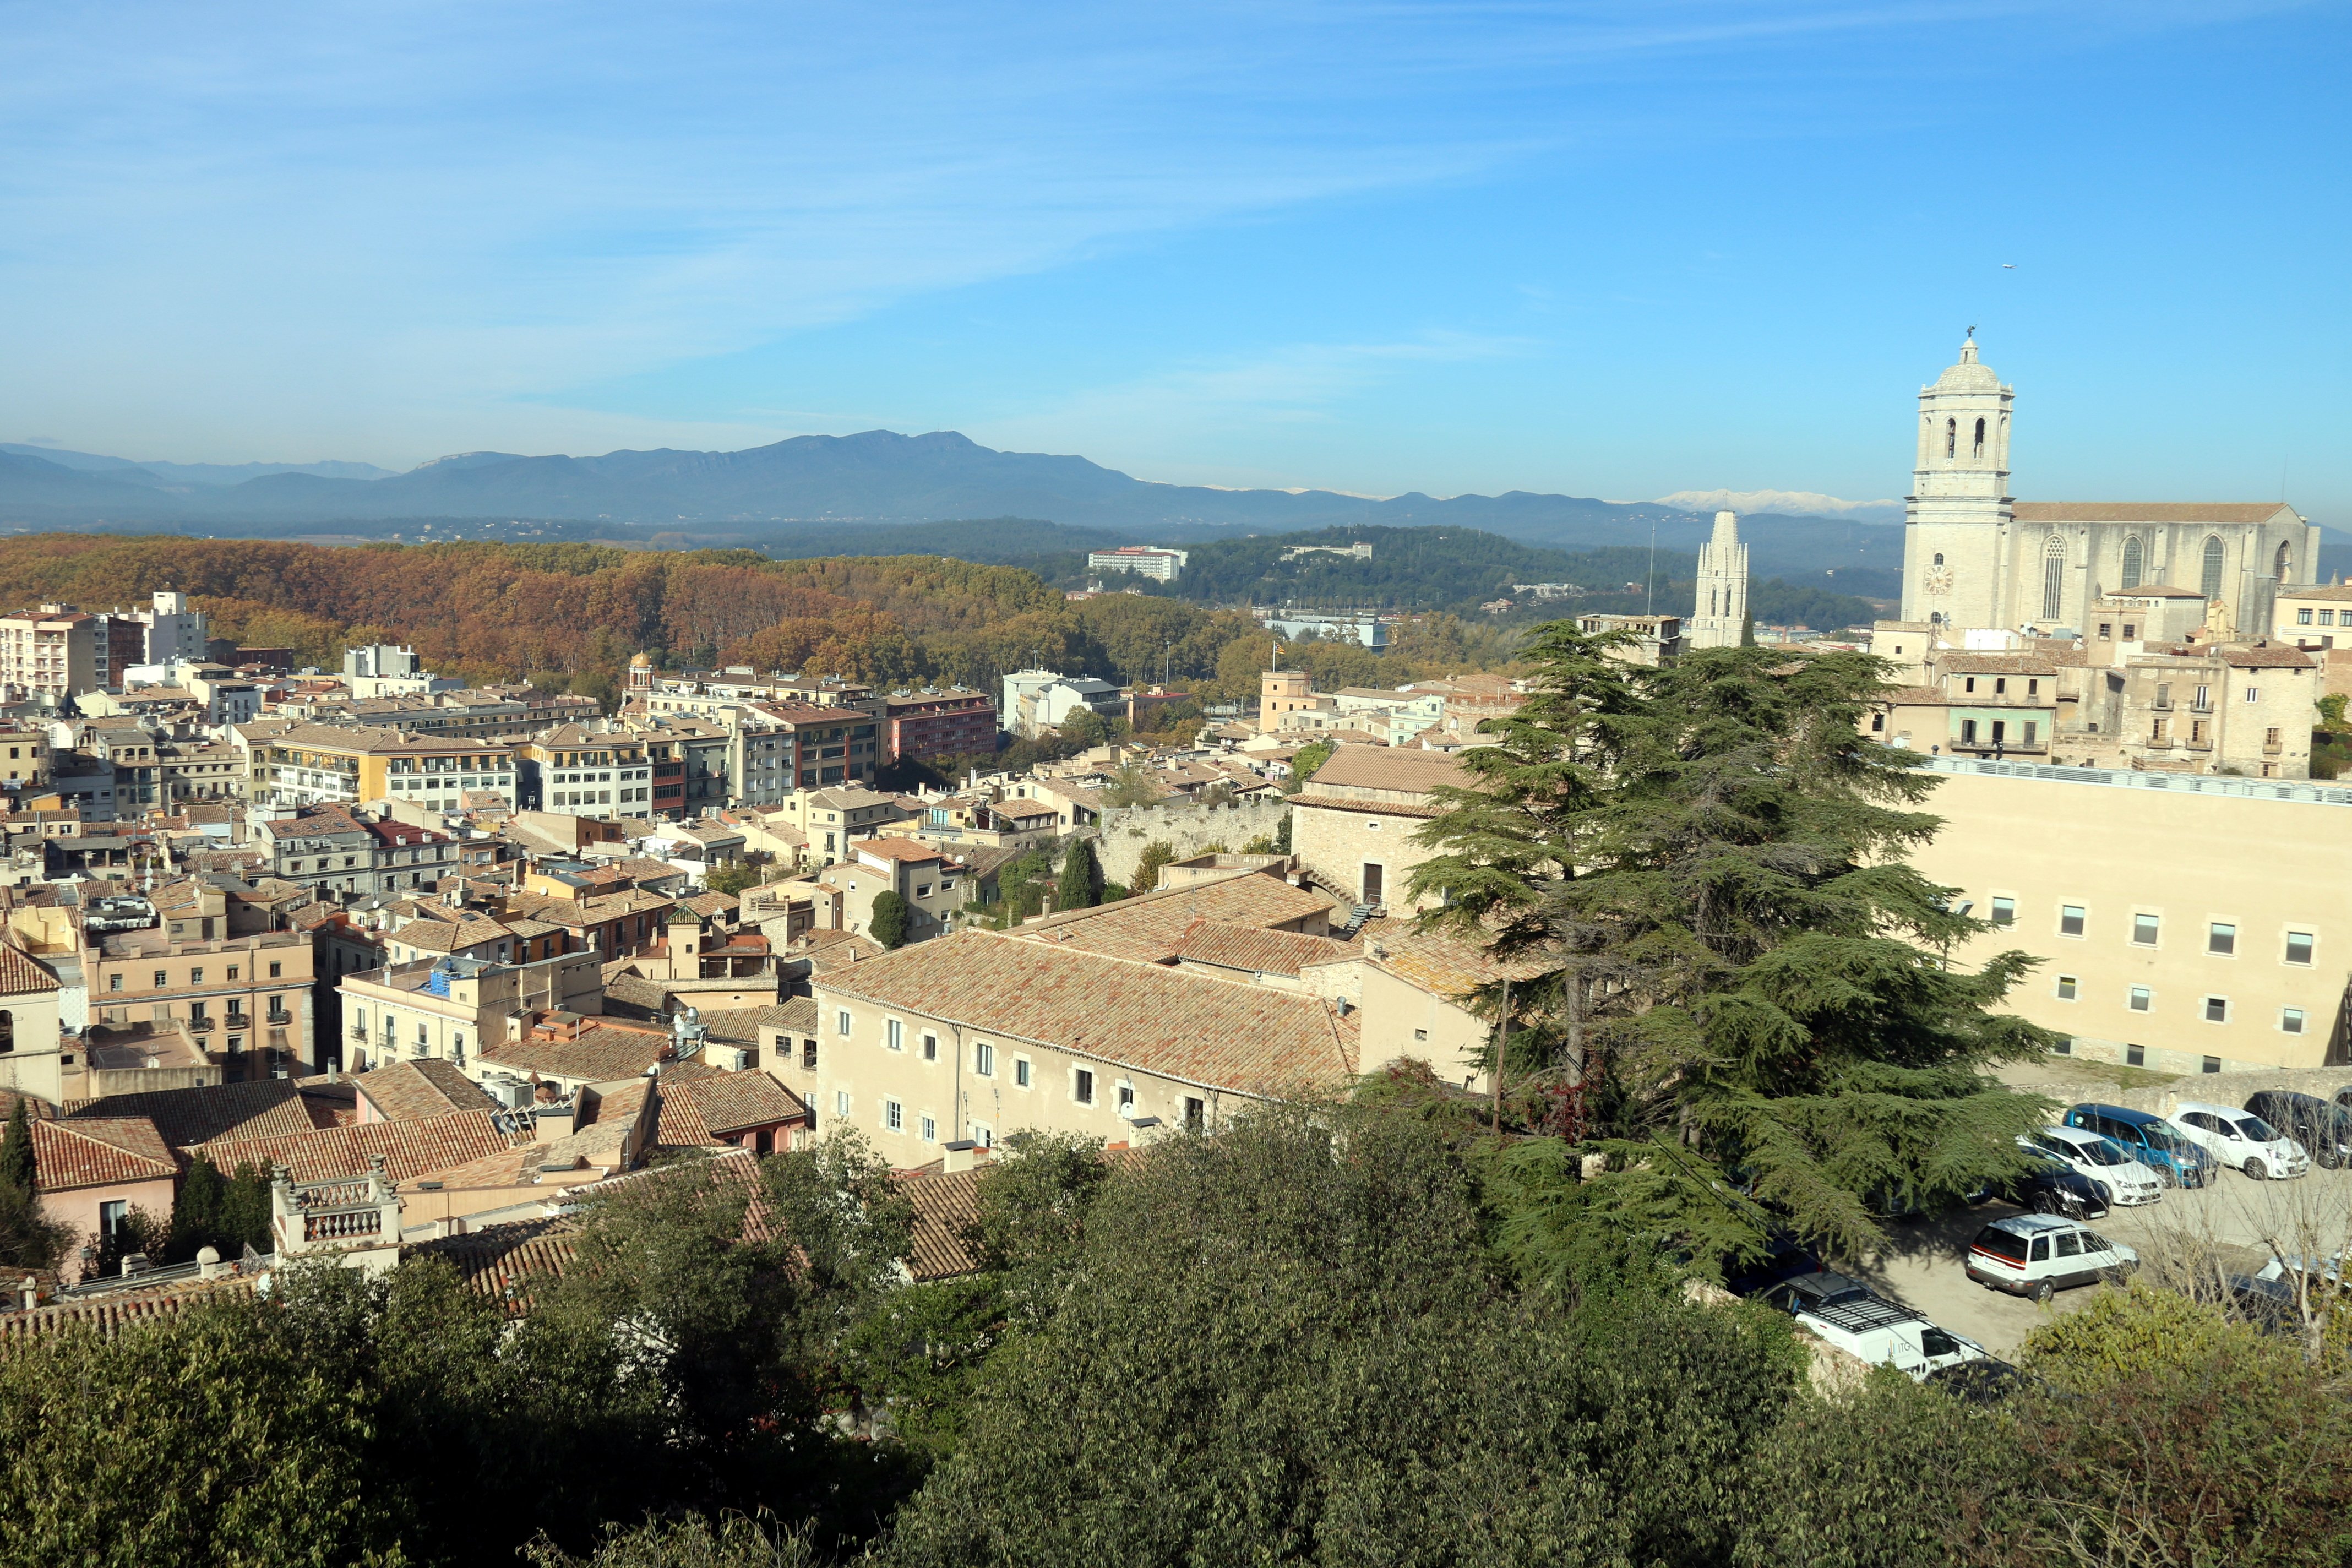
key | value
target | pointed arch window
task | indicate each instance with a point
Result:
(2284, 564)
(2210, 581)
(2135, 560)
(2053, 577)
(1980, 447)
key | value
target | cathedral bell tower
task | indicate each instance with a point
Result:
(1957, 518)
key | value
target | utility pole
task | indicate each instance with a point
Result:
(1502, 1051)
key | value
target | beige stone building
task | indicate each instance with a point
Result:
(2312, 617)
(1656, 639)
(244, 1001)
(935, 884)
(1352, 825)
(832, 818)
(453, 1009)
(2186, 924)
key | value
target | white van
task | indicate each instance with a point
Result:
(2119, 1178)
(2241, 1138)
(1845, 1313)
(2039, 1255)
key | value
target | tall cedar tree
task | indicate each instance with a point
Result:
(1699, 874)
(17, 1149)
(1080, 885)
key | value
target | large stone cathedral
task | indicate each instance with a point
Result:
(1976, 557)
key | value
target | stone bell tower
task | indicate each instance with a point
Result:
(1719, 619)
(1957, 518)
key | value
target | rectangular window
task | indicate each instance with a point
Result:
(2004, 912)
(195, 976)
(2326, 618)
(2221, 939)
(1126, 1099)
(2144, 931)
(2298, 947)
(1021, 1072)
(931, 1047)
(2212, 1064)
(841, 1102)
(2070, 919)
(1968, 732)
(983, 1059)
(894, 1116)
(2291, 1020)
(2253, 694)
(1082, 1087)
(275, 972)
(2303, 617)
(2217, 1009)
(232, 970)
(2135, 1056)
(2065, 988)
(1196, 1113)
(2140, 998)
(930, 1131)
(894, 1035)
(841, 1022)
(2033, 728)
(114, 982)
(163, 977)
(2065, 1046)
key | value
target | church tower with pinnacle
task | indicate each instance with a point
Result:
(1720, 617)
(1957, 519)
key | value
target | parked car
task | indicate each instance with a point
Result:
(2241, 1139)
(2119, 1178)
(2148, 1138)
(2323, 1128)
(2037, 1255)
(2048, 1186)
(1848, 1314)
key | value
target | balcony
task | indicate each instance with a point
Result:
(201, 1026)
(279, 1019)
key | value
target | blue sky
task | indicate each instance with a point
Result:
(1609, 249)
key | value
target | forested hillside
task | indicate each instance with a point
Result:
(570, 616)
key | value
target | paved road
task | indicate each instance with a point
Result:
(1922, 1266)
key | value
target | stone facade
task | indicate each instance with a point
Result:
(1974, 556)
(1187, 829)
(1719, 618)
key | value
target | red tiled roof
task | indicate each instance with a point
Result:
(113, 1311)
(419, 1090)
(602, 1053)
(99, 1151)
(182, 1117)
(731, 1102)
(1258, 952)
(20, 974)
(1184, 1026)
(947, 1204)
(1400, 769)
(408, 1148)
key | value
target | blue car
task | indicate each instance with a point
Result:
(2144, 1136)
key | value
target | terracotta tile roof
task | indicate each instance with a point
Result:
(1914, 697)
(419, 1090)
(409, 1148)
(115, 1310)
(2147, 511)
(1441, 964)
(602, 1053)
(268, 1107)
(735, 1102)
(1399, 769)
(1184, 1026)
(709, 905)
(2266, 658)
(797, 1013)
(99, 1152)
(1149, 925)
(947, 1204)
(20, 975)
(1227, 946)
(506, 1262)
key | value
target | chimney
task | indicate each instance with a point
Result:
(964, 1154)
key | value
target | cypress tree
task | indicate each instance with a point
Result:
(1080, 885)
(199, 1214)
(16, 1150)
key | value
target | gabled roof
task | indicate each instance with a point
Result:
(1243, 948)
(600, 1054)
(946, 1206)
(419, 1090)
(408, 1148)
(1398, 769)
(99, 1151)
(1193, 1028)
(2148, 511)
(185, 1117)
(21, 974)
(734, 1102)
(1149, 925)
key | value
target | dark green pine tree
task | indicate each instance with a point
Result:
(245, 1213)
(1703, 869)
(1080, 885)
(199, 1213)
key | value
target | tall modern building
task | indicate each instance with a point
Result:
(1720, 617)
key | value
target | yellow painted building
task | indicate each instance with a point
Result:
(349, 764)
(2189, 924)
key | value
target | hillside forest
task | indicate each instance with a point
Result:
(569, 617)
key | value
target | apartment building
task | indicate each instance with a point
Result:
(52, 652)
(2189, 924)
(506, 713)
(1142, 560)
(831, 818)
(312, 764)
(451, 1009)
(246, 1000)
(587, 771)
(934, 883)
(919, 725)
(25, 767)
(332, 850)
(2311, 615)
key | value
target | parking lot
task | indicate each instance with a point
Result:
(1922, 1268)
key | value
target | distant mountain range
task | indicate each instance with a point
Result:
(780, 494)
